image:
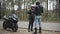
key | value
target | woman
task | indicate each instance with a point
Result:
(31, 18)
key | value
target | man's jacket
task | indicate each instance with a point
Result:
(38, 10)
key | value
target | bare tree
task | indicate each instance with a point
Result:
(58, 7)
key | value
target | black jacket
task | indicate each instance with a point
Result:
(31, 14)
(38, 10)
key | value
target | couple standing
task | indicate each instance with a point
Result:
(35, 15)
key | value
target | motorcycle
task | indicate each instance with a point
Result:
(10, 22)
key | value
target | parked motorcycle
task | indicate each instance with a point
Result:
(10, 22)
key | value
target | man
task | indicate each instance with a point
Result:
(31, 18)
(38, 11)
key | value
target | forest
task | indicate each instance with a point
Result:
(20, 7)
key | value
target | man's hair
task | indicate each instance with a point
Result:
(37, 3)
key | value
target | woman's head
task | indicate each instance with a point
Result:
(32, 7)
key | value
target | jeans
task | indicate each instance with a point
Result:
(37, 20)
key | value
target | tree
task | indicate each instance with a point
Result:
(0, 10)
(58, 7)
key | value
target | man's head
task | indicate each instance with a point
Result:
(37, 3)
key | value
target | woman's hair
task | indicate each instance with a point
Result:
(32, 6)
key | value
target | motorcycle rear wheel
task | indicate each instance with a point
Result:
(4, 25)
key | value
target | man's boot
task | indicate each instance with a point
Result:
(35, 31)
(40, 30)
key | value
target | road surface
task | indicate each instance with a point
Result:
(22, 30)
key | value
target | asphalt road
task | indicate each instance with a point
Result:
(23, 31)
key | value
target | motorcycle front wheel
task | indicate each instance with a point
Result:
(15, 28)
